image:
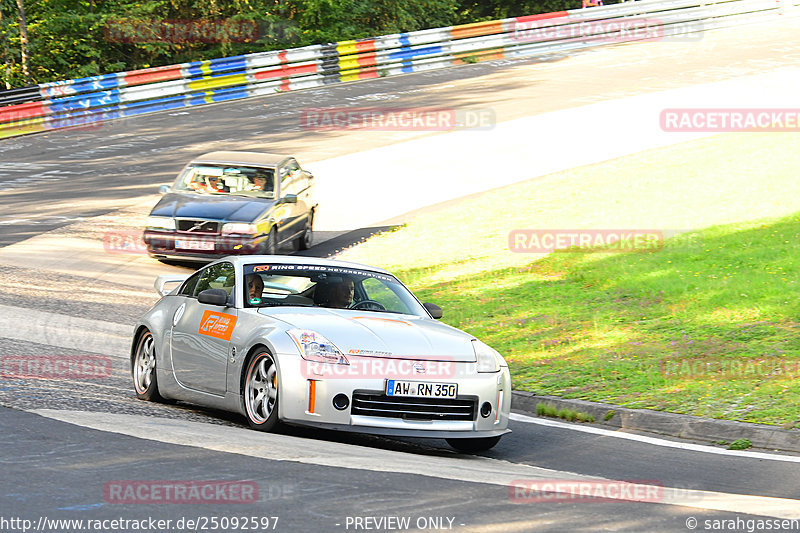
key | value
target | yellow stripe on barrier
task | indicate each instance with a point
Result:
(346, 48)
(22, 127)
(221, 81)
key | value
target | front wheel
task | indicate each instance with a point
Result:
(305, 239)
(261, 392)
(270, 245)
(145, 381)
(480, 444)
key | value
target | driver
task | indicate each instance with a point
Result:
(341, 294)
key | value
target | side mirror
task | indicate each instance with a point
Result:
(213, 297)
(290, 199)
(164, 189)
(434, 310)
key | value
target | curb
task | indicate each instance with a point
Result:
(672, 424)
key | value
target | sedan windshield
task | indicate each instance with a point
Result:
(327, 286)
(227, 179)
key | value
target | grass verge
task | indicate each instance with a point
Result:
(707, 325)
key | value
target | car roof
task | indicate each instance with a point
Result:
(297, 260)
(263, 159)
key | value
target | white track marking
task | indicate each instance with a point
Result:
(63, 331)
(653, 440)
(457, 467)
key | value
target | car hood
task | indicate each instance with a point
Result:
(209, 206)
(371, 334)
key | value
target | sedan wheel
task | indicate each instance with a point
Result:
(270, 245)
(305, 239)
(261, 392)
(144, 369)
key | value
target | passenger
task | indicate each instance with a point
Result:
(255, 288)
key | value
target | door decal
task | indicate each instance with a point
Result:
(218, 325)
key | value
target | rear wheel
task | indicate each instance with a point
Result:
(261, 392)
(480, 444)
(145, 381)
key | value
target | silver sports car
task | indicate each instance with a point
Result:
(321, 343)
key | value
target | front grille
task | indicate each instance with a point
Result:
(371, 403)
(197, 226)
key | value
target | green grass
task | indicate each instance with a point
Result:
(546, 409)
(740, 444)
(708, 325)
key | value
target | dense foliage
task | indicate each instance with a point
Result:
(77, 38)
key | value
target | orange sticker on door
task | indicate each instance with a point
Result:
(215, 324)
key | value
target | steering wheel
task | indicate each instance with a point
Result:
(368, 305)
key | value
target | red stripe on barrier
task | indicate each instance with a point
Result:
(370, 72)
(151, 75)
(283, 71)
(14, 113)
(367, 60)
(365, 46)
(543, 16)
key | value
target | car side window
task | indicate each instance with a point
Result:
(188, 286)
(290, 174)
(219, 276)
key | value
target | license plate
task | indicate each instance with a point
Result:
(421, 389)
(190, 244)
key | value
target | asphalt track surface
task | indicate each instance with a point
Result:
(318, 480)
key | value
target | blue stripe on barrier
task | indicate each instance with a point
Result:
(406, 53)
(161, 104)
(81, 85)
(84, 101)
(404, 40)
(217, 67)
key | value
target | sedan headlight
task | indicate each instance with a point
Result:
(315, 347)
(160, 222)
(239, 227)
(489, 360)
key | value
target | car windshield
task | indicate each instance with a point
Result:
(327, 286)
(227, 179)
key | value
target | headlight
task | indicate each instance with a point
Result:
(488, 358)
(239, 227)
(315, 347)
(160, 222)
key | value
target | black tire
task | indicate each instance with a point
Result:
(307, 237)
(473, 445)
(260, 392)
(143, 369)
(269, 246)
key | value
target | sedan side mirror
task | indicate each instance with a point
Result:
(434, 310)
(164, 189)
(213, 297)
(290, 199)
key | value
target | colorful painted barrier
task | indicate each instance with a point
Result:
(91, 100)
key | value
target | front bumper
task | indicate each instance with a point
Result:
(303, 406)
(165, 244)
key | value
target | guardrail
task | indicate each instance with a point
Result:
(87, 101)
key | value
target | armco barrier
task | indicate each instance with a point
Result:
(89, 100)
